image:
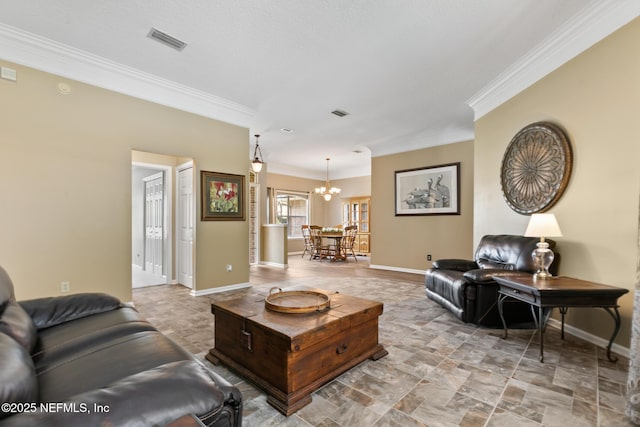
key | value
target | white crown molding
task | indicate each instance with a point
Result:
(422, 141)
(593, 23)
(47, 55)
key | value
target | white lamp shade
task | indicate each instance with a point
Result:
(543, 225)
(256, 165)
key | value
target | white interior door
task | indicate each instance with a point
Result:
(186, 208)
(154, 224)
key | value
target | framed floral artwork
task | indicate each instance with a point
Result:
(222, 196)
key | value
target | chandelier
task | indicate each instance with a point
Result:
(256, 163)
(327, 191)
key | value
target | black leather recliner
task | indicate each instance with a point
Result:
(467, 289)
(89, 360)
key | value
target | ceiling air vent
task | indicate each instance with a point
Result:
(166, 39)
(340, 113)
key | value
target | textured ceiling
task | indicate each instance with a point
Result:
(404, 70)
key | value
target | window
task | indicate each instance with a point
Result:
(291, 208)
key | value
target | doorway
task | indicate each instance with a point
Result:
(151, 224)
(163, 209)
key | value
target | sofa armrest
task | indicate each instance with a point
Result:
(51, 311)
(454, 264)
(155, 397)
(486, 275)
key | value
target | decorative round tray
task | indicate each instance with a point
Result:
(296, 301)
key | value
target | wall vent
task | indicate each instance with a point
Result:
(166, 39)
(340, 113)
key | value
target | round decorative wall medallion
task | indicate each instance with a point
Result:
(536, 168)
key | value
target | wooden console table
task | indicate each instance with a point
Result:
(561, 292)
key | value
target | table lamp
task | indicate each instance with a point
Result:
(542, 225)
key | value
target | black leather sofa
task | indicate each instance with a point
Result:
(467, 289)
(88, 360)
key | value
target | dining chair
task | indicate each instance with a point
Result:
(315, 232)
(348, 241)
(308, 244)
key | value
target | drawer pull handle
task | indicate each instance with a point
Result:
(341, 349)
(246, 340)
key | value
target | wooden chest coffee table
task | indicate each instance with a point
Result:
(291, 355)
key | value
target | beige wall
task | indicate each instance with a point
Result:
(65, 183)
(405, 241)
(596, 99)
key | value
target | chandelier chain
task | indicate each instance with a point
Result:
(327, 191)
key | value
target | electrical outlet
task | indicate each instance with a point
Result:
(229, 267)
(428, 257)
(65, 287)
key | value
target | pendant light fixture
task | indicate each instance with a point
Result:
(327, 191)
(256, 163)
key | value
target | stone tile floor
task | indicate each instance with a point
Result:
(439, 371)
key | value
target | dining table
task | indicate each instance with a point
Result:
(336, 236)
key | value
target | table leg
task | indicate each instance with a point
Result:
(541, 331)
(533, 314)
(338, 249)
(338, 255)
(501, 299)
(616, 318)
(563, 311)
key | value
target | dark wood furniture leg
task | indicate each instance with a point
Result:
(563, 312)
(501, 298)
(540, 332)
(616, 318)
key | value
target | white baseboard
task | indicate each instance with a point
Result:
(400, 269)
(195, 293)
(593, 339)
(274, 264)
